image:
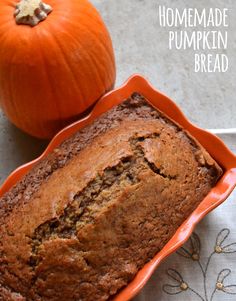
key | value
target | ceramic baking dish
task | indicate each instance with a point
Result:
(214, 146)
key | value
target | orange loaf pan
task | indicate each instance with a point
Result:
(217, 149)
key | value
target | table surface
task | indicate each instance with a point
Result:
(208, 99)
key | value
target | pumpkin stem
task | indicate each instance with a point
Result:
(31, 12)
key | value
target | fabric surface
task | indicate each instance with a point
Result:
(205, 267)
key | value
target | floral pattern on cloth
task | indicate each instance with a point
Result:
(192, 250)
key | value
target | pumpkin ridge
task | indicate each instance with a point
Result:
(100, 22)
(110, 53)
(49, 80)
(6, 32)
(79, 92)
(98, 76)
(111, 56)
(10, 97)
(4, 22)
(92, 58)
(9, 92)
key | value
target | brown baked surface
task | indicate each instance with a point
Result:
(82, 223)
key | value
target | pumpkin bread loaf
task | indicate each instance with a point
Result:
(82, 223)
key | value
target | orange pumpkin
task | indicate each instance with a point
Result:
(51, 72)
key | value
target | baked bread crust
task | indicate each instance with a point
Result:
(82, 223)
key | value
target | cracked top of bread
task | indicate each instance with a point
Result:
(88, 217)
